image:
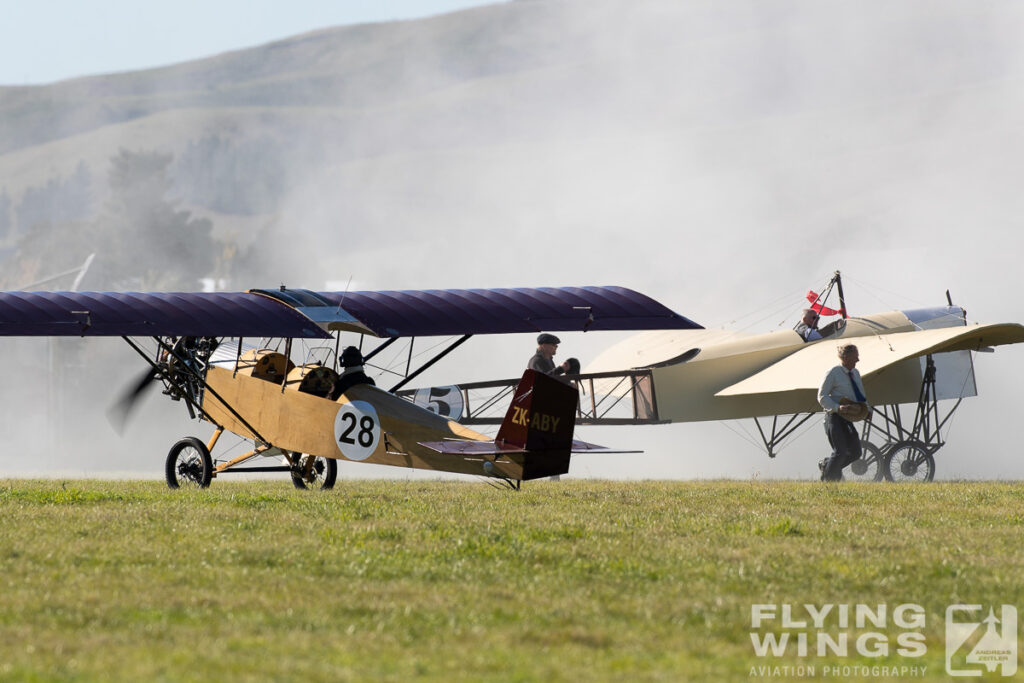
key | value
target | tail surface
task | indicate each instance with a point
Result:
(540, 420)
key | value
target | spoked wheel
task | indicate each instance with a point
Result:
(189, 464)
(870, 466)
(910, 461)
(322, 475)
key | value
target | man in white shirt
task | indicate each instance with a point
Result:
(842, 396)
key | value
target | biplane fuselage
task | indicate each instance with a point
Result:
(368, 425)
(365, 424)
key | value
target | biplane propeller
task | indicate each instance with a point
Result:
(228, 357)
(912, 358)
(122, 409)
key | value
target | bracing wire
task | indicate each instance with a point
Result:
(799, 434)
(777, 305)
(773, 308)
(742, 434)
(400, 355)
(239, 443)
(395, 357)
(951, 418)
(873, 290)
(741, 431)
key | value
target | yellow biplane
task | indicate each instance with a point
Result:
(230, 357)
(910, 358)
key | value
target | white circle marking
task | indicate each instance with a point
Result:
(357, 430)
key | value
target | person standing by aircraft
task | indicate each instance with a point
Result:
(808, 325)
(542, 361)
(842, 396)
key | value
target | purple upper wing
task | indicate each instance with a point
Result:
(302, 313)
(215, 314)
(440, 312)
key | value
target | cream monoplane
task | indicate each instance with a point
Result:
(914, 358)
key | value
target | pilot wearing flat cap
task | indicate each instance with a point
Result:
(547, 347)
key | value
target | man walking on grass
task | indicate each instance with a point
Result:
(842, 396)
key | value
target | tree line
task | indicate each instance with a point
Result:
(141, 236)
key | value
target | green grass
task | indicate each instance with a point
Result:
(561, 581)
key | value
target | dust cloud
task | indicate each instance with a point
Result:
(720, 156)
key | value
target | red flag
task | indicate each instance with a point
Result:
(822, 310)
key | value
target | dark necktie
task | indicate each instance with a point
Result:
(856, 390)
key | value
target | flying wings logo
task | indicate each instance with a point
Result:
(539, 421)
(980, 640)
(976, 645)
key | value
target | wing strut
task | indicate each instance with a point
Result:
(896, 451)
(192, 404)
(377, 350)
(430, 362)
(777, 434)
(927, 420)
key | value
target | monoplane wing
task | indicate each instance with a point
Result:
(805, 369)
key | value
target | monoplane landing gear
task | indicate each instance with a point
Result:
(189, 464)
(870, 466)
(315, 472)
(910, 461)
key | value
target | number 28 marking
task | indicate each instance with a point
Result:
(356, 430)
(366, 425)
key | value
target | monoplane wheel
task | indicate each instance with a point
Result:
(869, 467)
(910, 461)
(189, 464)
(322, 476)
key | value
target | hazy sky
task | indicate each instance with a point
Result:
(51, 40)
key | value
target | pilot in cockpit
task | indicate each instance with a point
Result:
(353, 374)
(807, 328)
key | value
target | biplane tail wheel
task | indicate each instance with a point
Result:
(910, 461)
(870, 466)
(322, 475)
(189, 464)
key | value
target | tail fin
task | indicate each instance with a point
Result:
(540, 420)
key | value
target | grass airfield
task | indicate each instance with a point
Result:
(571, 580)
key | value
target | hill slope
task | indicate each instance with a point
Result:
(567, 114)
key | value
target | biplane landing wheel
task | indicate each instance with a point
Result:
(910, 461)
(870, 466)
(322, 476)
(189, 465)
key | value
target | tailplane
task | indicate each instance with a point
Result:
(535, 438)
